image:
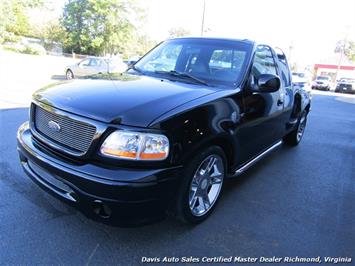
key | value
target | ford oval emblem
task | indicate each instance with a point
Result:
(54, 126)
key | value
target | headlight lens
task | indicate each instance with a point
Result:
(136, 146)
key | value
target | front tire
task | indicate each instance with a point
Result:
(294, 137)
(201, 185)
(69, 74)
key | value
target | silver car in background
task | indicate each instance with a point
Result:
(95, 65)
(300, 79)
(322, 83)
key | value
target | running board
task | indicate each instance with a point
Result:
(245, 167)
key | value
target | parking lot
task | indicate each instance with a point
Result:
(22, 74)
(295, 202)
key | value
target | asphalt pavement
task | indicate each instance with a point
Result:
(295, 202)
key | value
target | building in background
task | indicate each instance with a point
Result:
(332, 68)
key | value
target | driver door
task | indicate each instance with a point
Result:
(263, 110)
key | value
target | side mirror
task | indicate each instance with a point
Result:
(268, 83)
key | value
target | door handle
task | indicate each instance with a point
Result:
(279, 102)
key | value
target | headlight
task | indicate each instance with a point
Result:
(136, 146)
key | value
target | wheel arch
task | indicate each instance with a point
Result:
(308, 107)
(69, 69)
(297, 103)
(224, 142)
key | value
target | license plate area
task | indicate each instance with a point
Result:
(50, 179)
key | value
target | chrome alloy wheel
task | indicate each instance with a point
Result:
(206, 185)
(301, 127)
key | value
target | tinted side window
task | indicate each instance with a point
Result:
(263, 62)
(285, 74)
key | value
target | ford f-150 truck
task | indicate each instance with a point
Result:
(166, 134)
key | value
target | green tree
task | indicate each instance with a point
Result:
(13, 17)
(98, 27)
(346, 47)
(141, 44)
(51, 34)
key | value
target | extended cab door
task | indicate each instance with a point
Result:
(263, 110)
(286, 88)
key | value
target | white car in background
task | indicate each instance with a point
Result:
(300, 79)
(322, 83)
(95, 65)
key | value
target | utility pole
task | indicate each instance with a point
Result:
(342, 52)
(203, 17)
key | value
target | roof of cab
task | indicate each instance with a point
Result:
(214, 38)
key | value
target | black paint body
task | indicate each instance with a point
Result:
(243, 121)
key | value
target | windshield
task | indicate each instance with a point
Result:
(348, 80)
(212, 61)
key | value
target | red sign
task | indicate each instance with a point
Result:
(334, 67)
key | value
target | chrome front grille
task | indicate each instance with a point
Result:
(66, 132)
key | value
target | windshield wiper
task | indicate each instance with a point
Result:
(182, 75)
(136, 69)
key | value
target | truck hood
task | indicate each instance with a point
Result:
(132, 100)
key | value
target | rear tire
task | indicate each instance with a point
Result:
(201, 184)
(294, 137)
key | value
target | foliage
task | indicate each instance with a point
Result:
(10, 37)
(346, 47)
(94, 27)
(32, 48)
(14, 48)
(13, 16)
(178, 32)
(52, 34)
(141, 44)
(98, 27)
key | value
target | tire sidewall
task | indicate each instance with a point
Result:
(71, 74)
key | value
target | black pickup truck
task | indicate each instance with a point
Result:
(165, 134)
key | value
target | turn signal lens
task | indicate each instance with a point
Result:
(136, 146)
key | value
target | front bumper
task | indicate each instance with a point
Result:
(89, 186)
